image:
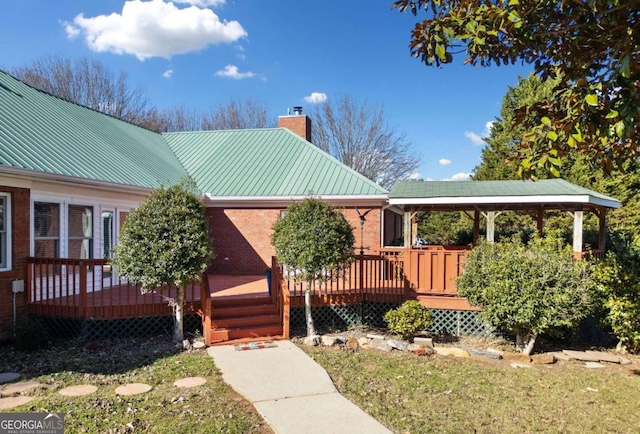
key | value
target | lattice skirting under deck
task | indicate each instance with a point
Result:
(94, 330)
(329, 318)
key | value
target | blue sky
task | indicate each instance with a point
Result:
(202, 53)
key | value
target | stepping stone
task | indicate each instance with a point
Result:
(562, 356)
(581, 355)
(133, 389)
(14, 401)
(450, 351)
(9, 377)
(593, 365)
(190, 382)
(604, 357)
(79, 390)
(23, 386)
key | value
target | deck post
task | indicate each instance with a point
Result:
(578, 217)
(407, 229)
(490, 216)
(476, 226)
(602, 229)
(83, 290)
(540, 221)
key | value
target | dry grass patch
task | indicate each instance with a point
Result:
(411, 394)
(213, 407)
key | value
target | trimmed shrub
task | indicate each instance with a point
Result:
(408, 319)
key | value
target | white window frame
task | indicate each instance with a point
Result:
(69, 238)
(6, 244)
(61, 227)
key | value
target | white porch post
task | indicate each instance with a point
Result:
(490, 216)
(578, 217)
(406, 226)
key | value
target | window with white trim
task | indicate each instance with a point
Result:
(5, 231)
(46, 229)
(80, 241)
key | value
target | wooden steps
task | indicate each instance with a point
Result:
(244, 319)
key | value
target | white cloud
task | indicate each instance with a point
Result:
(154, 28)
(71, 31)
(231, 71)
(444, 162)
(202, 3)
(168, 73)
(462, 176)
(487, 129)
(415, 176)
(475, 138)
(316, 98)
(478, 139)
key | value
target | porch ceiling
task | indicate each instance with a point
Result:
(497, 195)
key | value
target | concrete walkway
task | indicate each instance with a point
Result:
(291, 391)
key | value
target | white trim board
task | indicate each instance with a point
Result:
(487, 200)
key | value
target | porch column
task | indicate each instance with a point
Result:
(406, 227)
(490, 216)
(476, 226)
(602, 229)
(578, 217)
(540, 221)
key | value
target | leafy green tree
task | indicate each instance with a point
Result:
(313, 238)
(445, 228)
(618, 283)
(527, 289)
(502, 144)
(165, 241)
(591, 45)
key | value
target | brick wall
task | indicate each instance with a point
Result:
(20, 198)
(242, 237)
(299, 124)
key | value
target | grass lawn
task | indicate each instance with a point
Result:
(411, 394)
(212, 408)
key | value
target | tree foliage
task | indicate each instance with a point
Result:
(592, 46)
(165, 241)
(498, 156)
(90, 83)
(527, 289)
(618, 282)
(313, 238)
(359, 134)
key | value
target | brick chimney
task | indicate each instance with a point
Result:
(297, 123)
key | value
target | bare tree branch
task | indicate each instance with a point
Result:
(359, 134)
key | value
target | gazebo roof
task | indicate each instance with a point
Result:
(547, 193)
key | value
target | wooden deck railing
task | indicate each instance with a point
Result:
(368, 278)
(90, 288)
(282, 297)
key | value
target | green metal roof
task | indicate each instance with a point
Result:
(459, 192)
(43, 133)
(264, 163)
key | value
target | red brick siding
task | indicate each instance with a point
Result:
(20, 207)
(242, 237)
(301, 125)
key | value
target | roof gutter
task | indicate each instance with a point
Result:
(487, 200)
(28, 174)
(283, 201)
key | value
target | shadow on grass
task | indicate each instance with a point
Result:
(108, 357)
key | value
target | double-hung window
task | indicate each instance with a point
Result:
(5, 231)
(80, 242)
(46, 230)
